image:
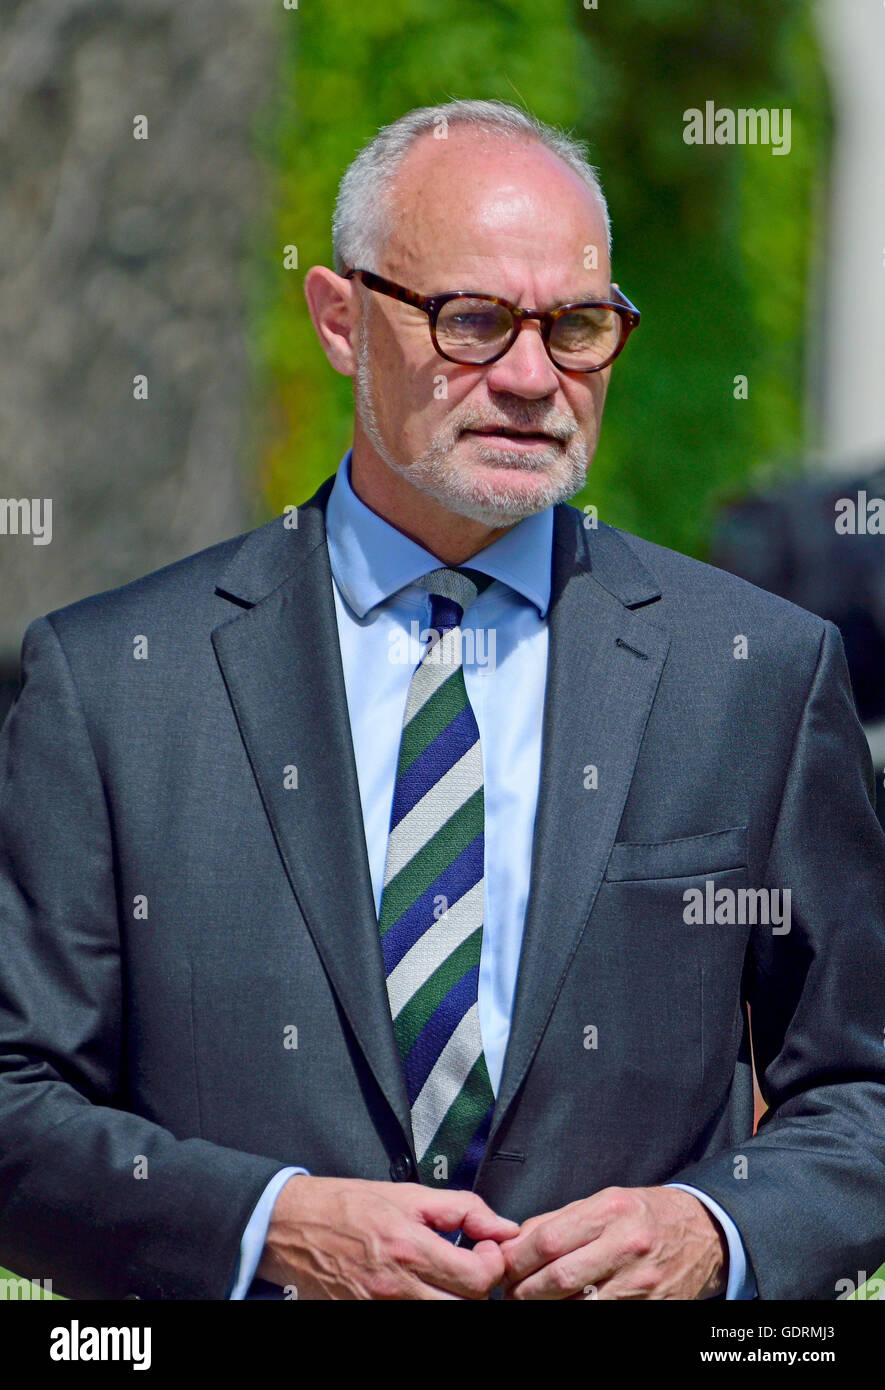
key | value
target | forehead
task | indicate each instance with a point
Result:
(489, 210)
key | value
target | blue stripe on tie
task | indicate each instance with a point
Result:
(445, 612)
(452, 884)
(444, 750)
(425, 1051)
(465, 1174)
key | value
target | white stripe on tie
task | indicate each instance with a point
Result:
(433, 671)
(446, 1081)
(427, 816)
(435, 946)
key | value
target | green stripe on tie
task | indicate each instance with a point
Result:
(460, 1123)
(425, 1000)
(414, 878)
(435, 715)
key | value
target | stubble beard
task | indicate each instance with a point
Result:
(467, 490)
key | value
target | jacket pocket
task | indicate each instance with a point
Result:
(692, 856)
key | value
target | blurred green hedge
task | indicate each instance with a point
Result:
(714, 243)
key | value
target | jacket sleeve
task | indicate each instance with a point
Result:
(807, 1191)
(71, 1205)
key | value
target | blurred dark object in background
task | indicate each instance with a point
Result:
(787, 542)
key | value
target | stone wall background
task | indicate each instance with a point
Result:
(117, 257)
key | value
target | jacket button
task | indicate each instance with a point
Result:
(401, 1168)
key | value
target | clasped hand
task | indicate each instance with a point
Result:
(621, 1243)
(348, 1238)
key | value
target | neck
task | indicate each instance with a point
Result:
(450, 537)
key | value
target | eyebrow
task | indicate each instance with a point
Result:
(587, 298)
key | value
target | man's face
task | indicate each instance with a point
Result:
(495, 217)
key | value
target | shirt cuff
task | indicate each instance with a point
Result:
(741, 1280)
(255, 1234)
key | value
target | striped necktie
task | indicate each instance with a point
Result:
(431, 913)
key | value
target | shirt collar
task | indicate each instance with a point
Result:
(371, 560)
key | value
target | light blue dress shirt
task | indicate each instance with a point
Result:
(380, 608)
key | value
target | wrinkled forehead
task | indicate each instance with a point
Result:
(480, 204)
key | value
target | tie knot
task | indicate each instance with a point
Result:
(451, 592)
(459, 586)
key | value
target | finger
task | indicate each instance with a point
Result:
(481, 1223)
(430, 1293)
(466, 1273)
(453, 1209)
(423, 1290)
(564, 1278)
(491, 1250)
(553, 1236)
(528, 1225)
(596, 1270)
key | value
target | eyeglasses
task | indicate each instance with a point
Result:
(476, 329)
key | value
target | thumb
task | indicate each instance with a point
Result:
(452, 1208)
(489, 1252)
(481, 1223)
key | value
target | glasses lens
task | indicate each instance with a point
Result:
(471, 330)
(585, 337)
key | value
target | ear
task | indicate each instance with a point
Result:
(332, 303)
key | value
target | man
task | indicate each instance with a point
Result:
(383, 891)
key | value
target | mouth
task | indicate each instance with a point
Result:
(513, 438)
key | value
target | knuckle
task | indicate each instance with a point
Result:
(612, 1202)
(623, 1202)
(561, 1280)
(386, 1283)
(639, 1242)
(547, 1242)
(644, 1283)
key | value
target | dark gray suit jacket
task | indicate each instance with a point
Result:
(170, 908)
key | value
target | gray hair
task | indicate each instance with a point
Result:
(363, 217)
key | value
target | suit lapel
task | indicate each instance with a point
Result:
(282, 668)
(604, 666)
(281, 664)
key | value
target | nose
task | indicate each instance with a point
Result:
(525, 369)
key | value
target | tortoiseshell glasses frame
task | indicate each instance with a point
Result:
(431, 305)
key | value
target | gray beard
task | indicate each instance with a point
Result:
(469, 494)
